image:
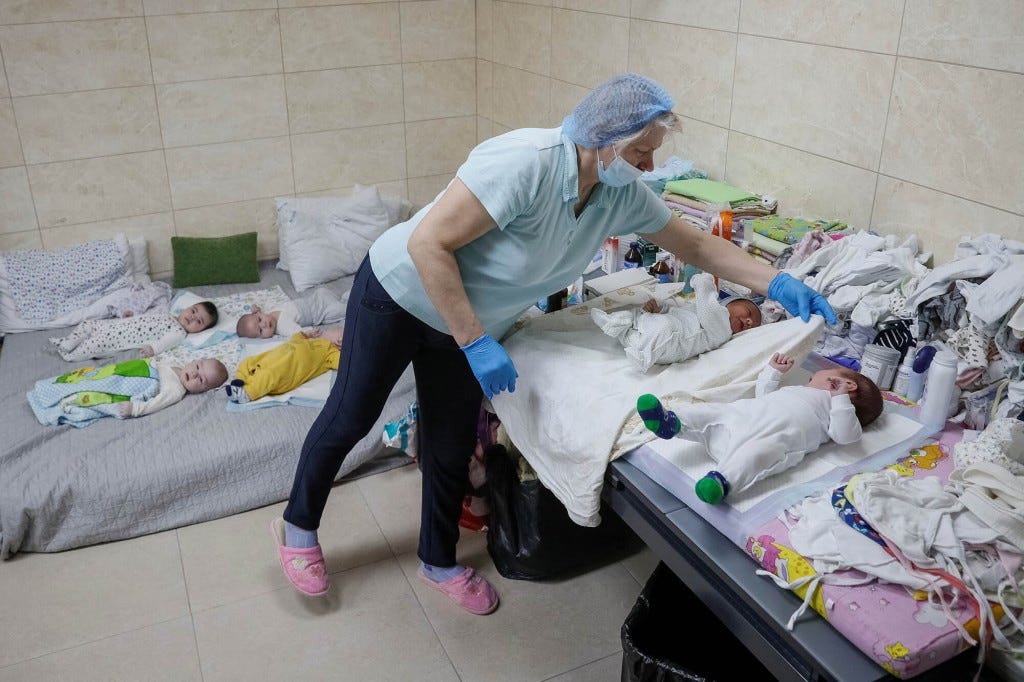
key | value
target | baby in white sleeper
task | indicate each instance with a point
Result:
(757, 437)
(319, 307)
(151, 334)
(679, 328)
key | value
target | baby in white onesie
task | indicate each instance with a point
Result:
(680, 328)
(319, 307)
(757, 437)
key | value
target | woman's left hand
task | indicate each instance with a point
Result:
(799, 299)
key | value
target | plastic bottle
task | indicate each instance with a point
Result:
(633, 258)
(720, 221)
(939, 390)
(879, 364)
(922, 361)
(902, 382)
(661, 269)
(610, 255)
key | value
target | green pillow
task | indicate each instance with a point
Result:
(215, 260)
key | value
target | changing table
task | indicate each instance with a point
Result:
(750, 606)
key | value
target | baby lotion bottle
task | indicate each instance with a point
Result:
(902, 383)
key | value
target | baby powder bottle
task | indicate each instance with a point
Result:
(634, 258)
(879, 364)
(939, 391)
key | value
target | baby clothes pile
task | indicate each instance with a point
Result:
(972, 306)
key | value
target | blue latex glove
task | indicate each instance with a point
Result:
(799, 299)
(491, 365)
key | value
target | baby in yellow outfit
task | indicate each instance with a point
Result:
(306, 355)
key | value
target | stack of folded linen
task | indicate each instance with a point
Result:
(773, 238)
(699, 200)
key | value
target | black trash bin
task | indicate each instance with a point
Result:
(671, 636)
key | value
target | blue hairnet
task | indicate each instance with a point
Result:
(615, 109)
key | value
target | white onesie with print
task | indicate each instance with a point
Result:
(104, 338)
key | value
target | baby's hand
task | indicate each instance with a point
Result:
(126, 410)
(781, 362)
(333, 334)
(311, 333)
(652, 306)
(127, 313)
(146, 351)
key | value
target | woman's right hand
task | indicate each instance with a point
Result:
(491, 365)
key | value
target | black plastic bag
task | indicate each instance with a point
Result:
(531, 537)
(671, 636)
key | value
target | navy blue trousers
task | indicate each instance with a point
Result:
(380, 341)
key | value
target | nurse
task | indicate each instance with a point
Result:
(523, 217)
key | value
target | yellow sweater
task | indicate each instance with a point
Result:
(284, 367)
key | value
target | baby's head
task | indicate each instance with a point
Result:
(864, 394)
(743, 314)
(256, 325)
(198, 317)
(201, 375)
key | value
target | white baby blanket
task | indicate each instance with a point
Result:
(574, 407)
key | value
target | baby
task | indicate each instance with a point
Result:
(757, 437)
(132, 388)
(681, 328)
(305, 356)
(319, 307)
(151, 334)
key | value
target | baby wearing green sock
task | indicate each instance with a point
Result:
(754, 438)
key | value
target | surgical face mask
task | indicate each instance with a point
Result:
(619, 172)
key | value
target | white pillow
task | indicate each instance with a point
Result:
(399, 209)
(324, 238)
(139, 259)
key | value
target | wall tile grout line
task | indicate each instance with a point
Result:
(287, 109)
(160, 125)
(21, 148)
(888, 111)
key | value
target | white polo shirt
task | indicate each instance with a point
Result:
(528, 181)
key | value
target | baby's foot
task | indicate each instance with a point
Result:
(712, 488)
(236, 391)
(664, 423)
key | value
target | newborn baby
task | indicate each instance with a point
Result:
(680, 328)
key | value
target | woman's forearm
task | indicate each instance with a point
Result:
(439, 273)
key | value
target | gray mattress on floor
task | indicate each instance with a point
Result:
(63, 487)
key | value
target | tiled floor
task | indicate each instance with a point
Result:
(209, 602)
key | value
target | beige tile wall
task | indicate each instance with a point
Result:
(903, 116)
(187, 117)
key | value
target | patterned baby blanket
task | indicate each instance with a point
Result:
(48, 284)
(84, 395)
(792, 230)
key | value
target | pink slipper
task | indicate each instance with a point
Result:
(304, 567)
(470, 591)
